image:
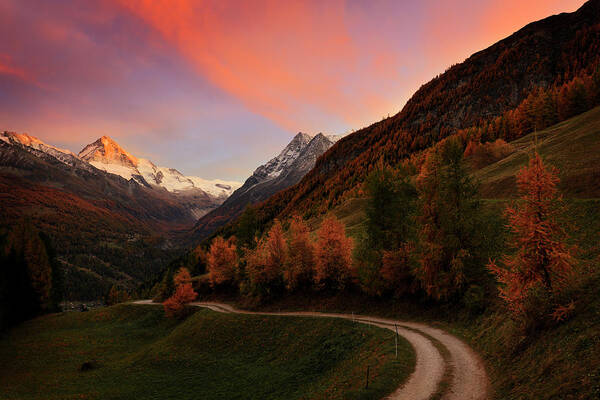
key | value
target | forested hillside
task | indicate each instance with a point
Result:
(544, 73)
(106, 230)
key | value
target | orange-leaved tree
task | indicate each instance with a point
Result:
(333, 255)
(299, 268)
(396, 269)
(452, 245)
(277, 248)
(116, 296)
(222, 261)
(184, 293)
(265, 263)
(543, 260)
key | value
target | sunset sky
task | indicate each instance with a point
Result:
(215, 88)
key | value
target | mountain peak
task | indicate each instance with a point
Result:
(109, 156)
(302, 136)
(33, 142)
(106, 150)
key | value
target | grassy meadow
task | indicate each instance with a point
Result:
(133, 352)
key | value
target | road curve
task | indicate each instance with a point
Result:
(469, 380)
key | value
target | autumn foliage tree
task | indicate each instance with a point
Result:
(482, 154)
(265, 263)
(452, 245)
(116, 296)
(184, 293)
(333, 255)
(222, 261)
(299, 268)
(543, 260)
(396, 269)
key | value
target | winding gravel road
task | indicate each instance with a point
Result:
(468, 379)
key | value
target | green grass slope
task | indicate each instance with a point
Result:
(572, 146)
(562, 362)
(137, 353)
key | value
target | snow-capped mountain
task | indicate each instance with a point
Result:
(281, 172)
(107, 155)
(273, 168)
(33, 143)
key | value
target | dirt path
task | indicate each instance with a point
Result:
(468, 378)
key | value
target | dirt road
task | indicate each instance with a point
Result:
(466, 371)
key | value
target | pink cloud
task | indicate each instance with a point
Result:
(277, 57)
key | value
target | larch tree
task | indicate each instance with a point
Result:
(116, 296)
(396, 269)
(333, 255)
(452, 236)
(299, 269)
(184, 293)
(276, 249)
(265, 263)
(542, 259)
(222, 261)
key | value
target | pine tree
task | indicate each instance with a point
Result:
(166, 287)
(389, 225)
(29, 246)
(452, 244)
(18, 300)
(247, 228)
(56, 275)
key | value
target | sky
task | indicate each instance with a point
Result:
(215, 88)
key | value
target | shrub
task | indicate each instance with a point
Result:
(184, 293)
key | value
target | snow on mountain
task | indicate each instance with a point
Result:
(32, 142)
(279, 173)
(334, 138)
(107, 155)
(275, 166)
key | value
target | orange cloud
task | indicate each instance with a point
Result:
(6, 68)
(278, 57)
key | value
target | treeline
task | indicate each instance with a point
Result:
(31, 282)
(427, 236)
